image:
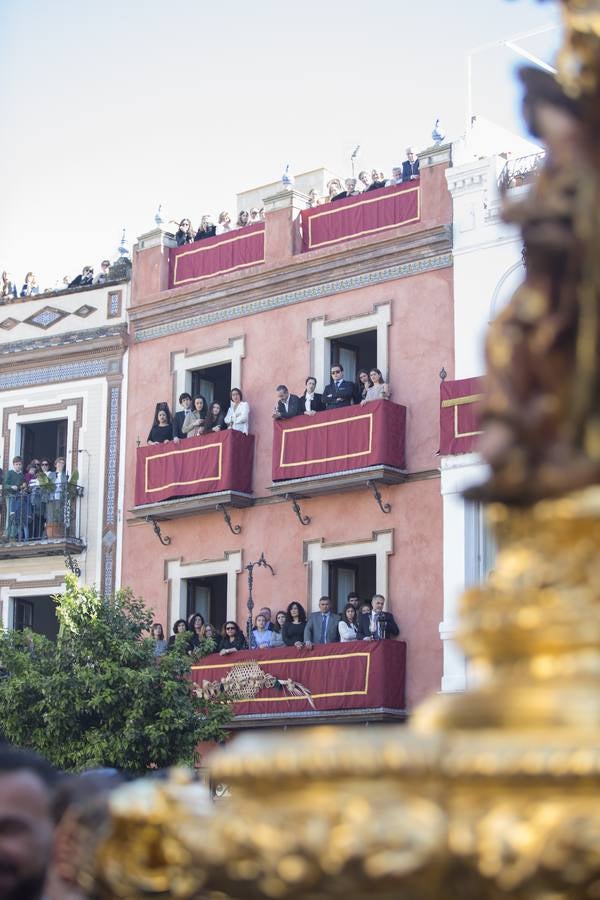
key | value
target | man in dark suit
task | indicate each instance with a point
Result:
(378, 624)
(288, 405)
(185, 401)
(410, 166)
(322, 627)
(338, 392)
(311, 401)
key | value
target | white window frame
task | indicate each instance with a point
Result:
(322, 332)
(184, 364)
(318, 554)
(178, 573)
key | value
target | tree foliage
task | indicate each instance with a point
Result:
(98, 697)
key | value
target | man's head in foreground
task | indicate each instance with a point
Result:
(26, 824)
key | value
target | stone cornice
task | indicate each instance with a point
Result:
(108, 340)
(173, 312)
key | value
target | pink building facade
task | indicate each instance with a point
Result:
(382, 298)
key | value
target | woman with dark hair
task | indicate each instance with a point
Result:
(363, 383)
(379, 390)
(293, 629)
(238, 413)
(215, 421)
(180, 627)
(185, 233)
(197, 626)
(232, 639)
(348, 626)
(158, 636)
(311, 401)
(243, 219)
(162, 427)
(276, 634)
(8, 289)
(193, 423)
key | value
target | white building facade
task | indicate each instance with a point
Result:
(63, 362)
(488, 266)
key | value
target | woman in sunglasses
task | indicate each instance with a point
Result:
(185, 233)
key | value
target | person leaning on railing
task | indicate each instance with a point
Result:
(378, 390)
(162, 427)
(232, 639)
(295, 622)
(206, 229)
(238, 414)
(185, 233)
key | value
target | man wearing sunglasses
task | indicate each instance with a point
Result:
(338, 392)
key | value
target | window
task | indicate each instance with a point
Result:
(38, 439)
(354, 352)
(480, 547)
(214, 383)
(353, 574)
(208, 596)
(36, 613)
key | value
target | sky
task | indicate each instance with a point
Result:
(111, 108)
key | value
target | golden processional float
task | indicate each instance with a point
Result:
(495, 792)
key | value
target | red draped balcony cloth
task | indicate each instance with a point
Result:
(339, 440)
(217, 255)
(460, 407)
(370, 213)
(355, 675)
(199, 465)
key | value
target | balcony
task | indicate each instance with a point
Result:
(358, 680)
(460, 410)
(367, 214)
(522, 170)
(339, 449)
(38, 522)
(218, 255)
(194, 475)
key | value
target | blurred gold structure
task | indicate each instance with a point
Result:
(496, 792)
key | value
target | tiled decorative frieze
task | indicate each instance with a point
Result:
(112, 456)
(45, 374)
(327, 288)
(9, 323)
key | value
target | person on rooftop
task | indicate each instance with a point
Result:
(8, 289)
(334, 190)
(207, 228)
(30, 288)
(185, 233)
(243, 219)
(396, 177)
(104, 274)
(84, 279)
(410, 166)
(224, 223)
(314, 198)
(350, 185)
(254, 215)
(365, 180)
(377, 180)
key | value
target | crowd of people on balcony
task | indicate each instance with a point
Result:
(35, 499)
(10, 292)
(352, 187)
(359, 621)
(186, 234)
(197, 416)
(367, 181)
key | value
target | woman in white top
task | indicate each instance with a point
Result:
(238, 413)
(379, 390)
(224, 223)
(348, 626)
